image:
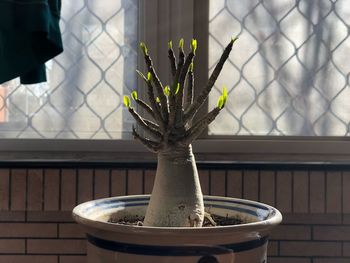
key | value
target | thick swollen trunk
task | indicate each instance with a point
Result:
(177, 199)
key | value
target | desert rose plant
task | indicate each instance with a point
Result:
(176, 199)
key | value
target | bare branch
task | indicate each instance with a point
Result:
(184, 70)
(144, 125)
(155, 107)
(172, 97)
(179, 97)
(152, 100)
(158, 85)
(190, 85)
(152, 124)
(153, 146)
(191, 111)
(172, 59)
(146, 107)
(199, 127)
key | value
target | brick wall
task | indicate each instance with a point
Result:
(36, 204)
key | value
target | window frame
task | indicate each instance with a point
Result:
(239, 149)
(207, 148)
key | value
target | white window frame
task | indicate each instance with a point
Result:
(159, 25)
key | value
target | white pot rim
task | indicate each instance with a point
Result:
(80, 215)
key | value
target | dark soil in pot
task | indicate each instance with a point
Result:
(209, 220)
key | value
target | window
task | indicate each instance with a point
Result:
(83, 96)
(287, 76)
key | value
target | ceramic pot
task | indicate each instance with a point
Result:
(115, 243)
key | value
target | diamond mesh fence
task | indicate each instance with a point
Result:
(288, 73)
(83, 96)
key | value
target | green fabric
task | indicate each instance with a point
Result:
(29, 36)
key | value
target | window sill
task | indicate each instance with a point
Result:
(236, 149)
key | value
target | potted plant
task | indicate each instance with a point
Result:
(172, 217)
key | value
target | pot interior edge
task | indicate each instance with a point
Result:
(99, 211)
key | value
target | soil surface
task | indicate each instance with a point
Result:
(222, 221)
(219, 221)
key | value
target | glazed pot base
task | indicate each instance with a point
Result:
(101, 252)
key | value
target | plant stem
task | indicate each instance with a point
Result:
(177, 198)
(205, 92)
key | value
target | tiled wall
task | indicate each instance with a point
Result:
(36, 204)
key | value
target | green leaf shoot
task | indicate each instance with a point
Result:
(167, 90)
(177, 88)
(134, 95)
(224, 94)
(144, 48)
(127, 101)
(157, 100)
(181, 44)
(220, 102)
(170, 44)
(149, 76)
(234, 39)
(194, 45)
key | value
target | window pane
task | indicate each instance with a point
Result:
(288, 73)
(83, 96)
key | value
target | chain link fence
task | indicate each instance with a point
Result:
(289, 71)
(83, 96)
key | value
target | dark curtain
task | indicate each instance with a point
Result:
(29, 36)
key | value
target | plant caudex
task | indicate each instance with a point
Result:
(176, 199)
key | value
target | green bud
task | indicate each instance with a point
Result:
(149, 76)
(221, 102)
(127, 101)
(224, 94)
(167, 90)
(177, 88)
(134, 95)
(233, 39)
(181, 44)
(170, 44)
(194, 45)
(144, 48)
(157, 100)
